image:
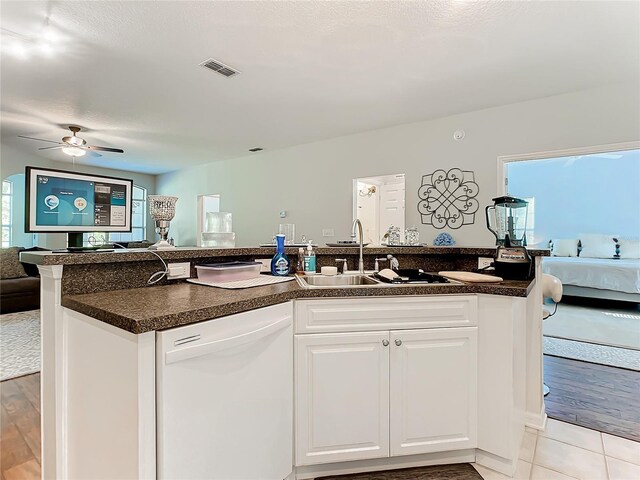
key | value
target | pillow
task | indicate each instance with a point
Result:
(595, 245)
(10, 266)
(564, 247)
(629, 248)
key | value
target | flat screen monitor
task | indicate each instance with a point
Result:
(71, 202)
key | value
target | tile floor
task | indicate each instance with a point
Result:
(568, 452)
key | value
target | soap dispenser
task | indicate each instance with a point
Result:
(300, 264)
(280, 263)
(310, 260)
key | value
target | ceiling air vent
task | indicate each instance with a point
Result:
(219, 67)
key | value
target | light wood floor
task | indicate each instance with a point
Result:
(20, 428)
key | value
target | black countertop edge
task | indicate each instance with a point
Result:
(194, 253)
(209, 303)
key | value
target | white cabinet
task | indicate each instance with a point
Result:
(433, 390)
(364, 395)
(342, 397)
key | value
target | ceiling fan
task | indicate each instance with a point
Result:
(73, 145)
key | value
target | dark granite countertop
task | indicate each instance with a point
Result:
(141, 310)
(194, 253)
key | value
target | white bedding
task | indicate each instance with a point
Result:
(607, 274)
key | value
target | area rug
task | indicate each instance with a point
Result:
(19, 344)
(590, 352)
(614, 327)
(460, 471)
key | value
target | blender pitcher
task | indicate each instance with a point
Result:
(509, 220)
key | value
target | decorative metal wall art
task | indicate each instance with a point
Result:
(448, 198)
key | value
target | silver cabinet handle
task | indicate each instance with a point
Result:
(398, 342)
(385, 342)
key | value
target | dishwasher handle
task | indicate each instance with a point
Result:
(192, 351)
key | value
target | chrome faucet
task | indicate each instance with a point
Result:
(376, 268)
(353, 235)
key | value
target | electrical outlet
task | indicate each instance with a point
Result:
(328, 232)
(266, 264)
(179, 270)
(484, 262)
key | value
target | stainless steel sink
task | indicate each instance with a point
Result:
(337, 281)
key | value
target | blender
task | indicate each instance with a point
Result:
(508, 224)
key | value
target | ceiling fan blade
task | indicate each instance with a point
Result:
(52, 148)
(103, 149)
(39, 139)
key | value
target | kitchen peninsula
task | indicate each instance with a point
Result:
(456, 370)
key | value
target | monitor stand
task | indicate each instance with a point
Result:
(74, 240)
(75, 244)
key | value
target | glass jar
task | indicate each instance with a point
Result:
(412, 236)
(393, 236)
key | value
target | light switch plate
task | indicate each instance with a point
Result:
(178, 270)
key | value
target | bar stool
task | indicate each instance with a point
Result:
(551, 288)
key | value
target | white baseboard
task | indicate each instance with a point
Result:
(496, 463)
(537, 421)
(389, 463)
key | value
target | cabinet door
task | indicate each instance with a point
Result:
(342, 397)
(433, 390)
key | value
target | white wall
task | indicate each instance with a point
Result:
(256, 187)
(14, 161)
(604, 197)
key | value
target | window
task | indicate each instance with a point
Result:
(138, 223)
(7, 200)
(531, 218)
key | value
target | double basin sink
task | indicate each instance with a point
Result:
(355, 280)
(344, 280)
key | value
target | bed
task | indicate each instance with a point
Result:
(615, 279)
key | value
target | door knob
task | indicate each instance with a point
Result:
(398, 342)
(385, 342)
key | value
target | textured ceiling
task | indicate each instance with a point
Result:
(128, 71)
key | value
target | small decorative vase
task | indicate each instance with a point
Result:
(412, 236)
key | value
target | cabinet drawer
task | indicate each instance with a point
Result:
(389, 313)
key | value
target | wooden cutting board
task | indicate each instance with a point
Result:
(471, 277)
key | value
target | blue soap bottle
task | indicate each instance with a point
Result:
(280, 263)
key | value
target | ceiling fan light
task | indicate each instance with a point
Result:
(74, 151)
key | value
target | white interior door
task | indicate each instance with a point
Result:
(391, 206)
(342, 397)
(433, 390)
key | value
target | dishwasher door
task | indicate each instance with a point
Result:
(225, 398)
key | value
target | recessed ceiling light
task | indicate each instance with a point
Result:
(256, 149)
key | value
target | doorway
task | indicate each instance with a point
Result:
(585, 207)
(378, 203)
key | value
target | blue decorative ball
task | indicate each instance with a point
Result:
(444, 240)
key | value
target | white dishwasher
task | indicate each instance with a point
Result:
(225, 397)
